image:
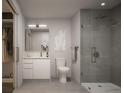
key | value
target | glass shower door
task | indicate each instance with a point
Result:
(95, 46)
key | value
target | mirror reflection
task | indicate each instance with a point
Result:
(37, 40)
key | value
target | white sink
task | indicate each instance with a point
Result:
(37, 57)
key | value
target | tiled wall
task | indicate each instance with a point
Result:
(101, 29)
(116, 45)
(95, 32)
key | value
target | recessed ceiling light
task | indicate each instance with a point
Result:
(103, 4)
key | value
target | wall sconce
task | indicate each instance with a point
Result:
(32, 26)
(37, 26)
(44, 26)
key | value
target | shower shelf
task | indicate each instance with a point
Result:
(7, 80)
(7, 20)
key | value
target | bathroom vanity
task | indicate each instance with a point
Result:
(36, 61)
(36, 68)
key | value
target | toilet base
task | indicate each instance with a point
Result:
(63, 74)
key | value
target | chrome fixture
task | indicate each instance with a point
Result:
(94, 54)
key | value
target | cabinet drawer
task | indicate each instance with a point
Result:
(27, 61)
(27, 65)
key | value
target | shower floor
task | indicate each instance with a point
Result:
(101, 87)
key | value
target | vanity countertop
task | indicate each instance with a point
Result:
(36, 57)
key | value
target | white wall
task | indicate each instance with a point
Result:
(76, 42)
(19, 42)
(56, 26)
(21, 29)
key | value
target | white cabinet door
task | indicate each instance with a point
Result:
(46, 69)
(41, 69)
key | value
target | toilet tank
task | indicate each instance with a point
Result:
(60, 62)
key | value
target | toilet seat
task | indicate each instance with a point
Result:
(63, 69)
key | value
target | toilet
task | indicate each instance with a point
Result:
(62, 70)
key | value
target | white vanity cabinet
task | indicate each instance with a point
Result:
(36, 68)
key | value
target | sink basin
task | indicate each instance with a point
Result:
(36, 57)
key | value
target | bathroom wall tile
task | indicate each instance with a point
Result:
(101, 29)
(116, 45)
(96, 32)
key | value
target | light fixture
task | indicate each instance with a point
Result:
(32, 25)
(37, 26)
(42, 26)
(103, 4)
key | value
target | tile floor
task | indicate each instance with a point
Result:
(53, 86)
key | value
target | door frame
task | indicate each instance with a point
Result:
(15, 30)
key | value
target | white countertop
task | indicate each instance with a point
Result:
(36, 57)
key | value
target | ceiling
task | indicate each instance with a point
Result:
(60, 8)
